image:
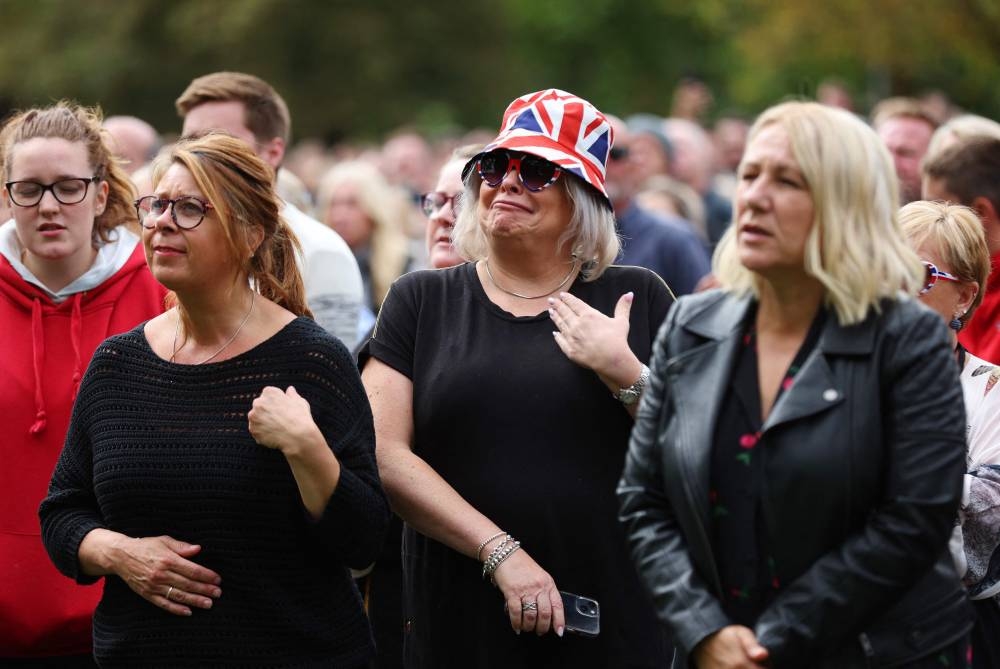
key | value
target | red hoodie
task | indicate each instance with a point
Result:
(44, 350)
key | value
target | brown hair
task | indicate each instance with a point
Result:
(74, 123)
(969, 169)
(239, 186)
(265, 112)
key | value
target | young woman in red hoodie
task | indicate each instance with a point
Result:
(72, 273)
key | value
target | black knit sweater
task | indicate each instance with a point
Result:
(156, 448)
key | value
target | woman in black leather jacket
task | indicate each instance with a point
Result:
(797, 460)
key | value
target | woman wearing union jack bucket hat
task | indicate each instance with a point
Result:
(503, 392)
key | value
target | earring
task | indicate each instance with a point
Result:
(956, 323)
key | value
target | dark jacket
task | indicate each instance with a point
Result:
(865, 455)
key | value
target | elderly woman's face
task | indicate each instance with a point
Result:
(948, 298)
(774, 209)
(440, 252)
(512, 212)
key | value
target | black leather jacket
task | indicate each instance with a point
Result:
(865, 457)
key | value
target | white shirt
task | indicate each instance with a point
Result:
(334, 290)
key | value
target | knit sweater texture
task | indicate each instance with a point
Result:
(156, 448)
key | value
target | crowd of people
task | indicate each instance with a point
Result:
(585, 391)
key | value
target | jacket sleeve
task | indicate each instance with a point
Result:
(923, 437)
(659, 549)
(70, 509)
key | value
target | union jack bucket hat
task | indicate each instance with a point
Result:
(561, 128)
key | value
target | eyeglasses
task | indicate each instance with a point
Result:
(535, 173)
(186, 212)
(65, 191)
(932, 275)
(618, 153)
(434, 202)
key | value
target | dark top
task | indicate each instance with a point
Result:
(536, 443)
(155, 448)
(664, 245)
(739, 534)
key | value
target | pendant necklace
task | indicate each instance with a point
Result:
(174, 349)
(526, 297)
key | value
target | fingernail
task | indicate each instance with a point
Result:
(216, 593)
(207, 603)
(187, 612)
(559, 631)
(552, 312)
(629, 295)
(552, 300)
(517, 632)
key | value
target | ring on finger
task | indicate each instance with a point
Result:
(169, 590)
(529, 606)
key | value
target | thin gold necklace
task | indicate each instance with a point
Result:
(527, 297)
(175, 350)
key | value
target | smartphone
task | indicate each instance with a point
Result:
(583, 614)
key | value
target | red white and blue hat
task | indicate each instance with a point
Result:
(561, 128)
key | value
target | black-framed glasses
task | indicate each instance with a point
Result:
(186, 212)
(434, 202)
(535, 173)
(932, 275)
(65, 191)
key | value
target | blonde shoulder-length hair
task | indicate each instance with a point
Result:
(855, 249)
(590, 231)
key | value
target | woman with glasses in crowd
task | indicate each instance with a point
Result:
(502, 391)
(72, 272)
(219, 470)
(796, 464)
(950, 241)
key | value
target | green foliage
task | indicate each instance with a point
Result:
(360, 69)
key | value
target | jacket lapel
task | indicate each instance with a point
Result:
(815, 388)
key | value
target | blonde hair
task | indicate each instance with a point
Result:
(957, 235)
(958, 129)
(855, 248)
(74, 123)
(239, 185)
(590, 232)
(385, 208)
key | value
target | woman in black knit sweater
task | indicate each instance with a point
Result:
(219, 469)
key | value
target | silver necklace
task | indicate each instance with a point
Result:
(174, 349)
(526, 297)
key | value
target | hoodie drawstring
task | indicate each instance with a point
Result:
(75, 331)
(37, 358)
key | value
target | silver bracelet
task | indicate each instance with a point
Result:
(503, 556)
(479, 551)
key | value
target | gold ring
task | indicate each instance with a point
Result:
(169, 590)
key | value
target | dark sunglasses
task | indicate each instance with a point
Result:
(535, 173)
(932, 275)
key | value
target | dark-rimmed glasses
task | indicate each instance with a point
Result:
(186, 212)
(535, 173)
(932, 275)
(434, 202)
(65, 191)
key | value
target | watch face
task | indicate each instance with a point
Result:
(628, 396)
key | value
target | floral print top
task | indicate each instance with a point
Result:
(750, 578)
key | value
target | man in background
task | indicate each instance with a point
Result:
(248, 108)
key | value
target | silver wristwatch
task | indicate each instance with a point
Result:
(631, 394)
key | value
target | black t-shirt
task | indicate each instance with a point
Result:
(537, 444)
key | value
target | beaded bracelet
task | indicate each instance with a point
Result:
(479, 551)
(495, 560)
(497, 550)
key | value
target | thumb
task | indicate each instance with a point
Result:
(624, 306)
(182, 548)
(751, 647)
